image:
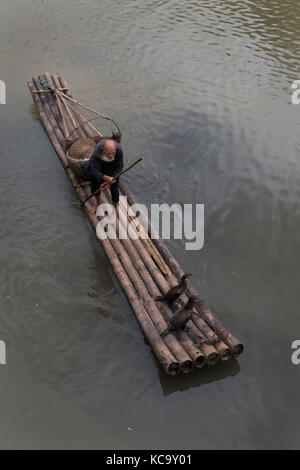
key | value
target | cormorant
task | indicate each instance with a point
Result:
(175, 291)
(181, 318)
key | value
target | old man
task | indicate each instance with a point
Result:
(105, 164)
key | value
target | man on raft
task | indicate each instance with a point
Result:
(106, 162)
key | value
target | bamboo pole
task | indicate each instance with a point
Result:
(235, 345)
(51, 117)
(47, 109)
(63, 112)
(52, 103)
(161, 351)
(197, 324)
(196, 355)
(172, 281)
(185, 362)
(79, 132)
(199, 336)
(59, 116)
(222, 350)
(148, 244)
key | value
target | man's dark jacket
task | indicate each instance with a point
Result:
(95, 168)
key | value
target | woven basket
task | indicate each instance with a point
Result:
(79, 153)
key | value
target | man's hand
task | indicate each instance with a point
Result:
(109, 179)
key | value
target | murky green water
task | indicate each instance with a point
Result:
(202, 90)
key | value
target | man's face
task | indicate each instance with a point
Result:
(109, 151)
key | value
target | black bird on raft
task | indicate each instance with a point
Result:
(175, 291)
(180, 319)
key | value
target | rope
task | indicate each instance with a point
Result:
(72, 176)
(89, 109)
(49, 91)
(77, 160)
(46, 85)
(51, 87)
(65, 100)
(63, 117)
(68, 110)
(85, 120)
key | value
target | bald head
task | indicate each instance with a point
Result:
(110, 148)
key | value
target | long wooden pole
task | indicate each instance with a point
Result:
(159, 285)
(186, 365)
(52, 104)
(196, 355)
(197, 325)
(235, 345)
(78, 132)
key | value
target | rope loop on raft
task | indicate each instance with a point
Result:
(70, 106)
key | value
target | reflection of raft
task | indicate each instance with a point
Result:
(144, 268)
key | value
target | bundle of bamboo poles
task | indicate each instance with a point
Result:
(144, 267)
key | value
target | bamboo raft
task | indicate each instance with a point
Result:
(145, 268)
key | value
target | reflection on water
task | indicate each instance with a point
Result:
(202, 91)
(221, 371)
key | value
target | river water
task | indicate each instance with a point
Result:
(203, 91)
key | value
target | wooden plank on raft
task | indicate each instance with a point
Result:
(144, 269)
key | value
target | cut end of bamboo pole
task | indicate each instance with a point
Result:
(172, 368)
(212, 358)
(186, 367)
(224, 351)
(200, 362)
(225, 354)
(237, 349)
